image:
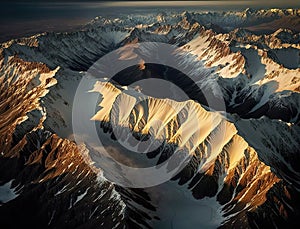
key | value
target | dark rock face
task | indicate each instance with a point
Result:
(56, 189)
(53, 184)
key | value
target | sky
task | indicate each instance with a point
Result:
(270, 3)
(82, 1)
(120, 3)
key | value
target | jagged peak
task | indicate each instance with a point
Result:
(249, 11)
(283, 30)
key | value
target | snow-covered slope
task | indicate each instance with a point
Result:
(219, 157)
